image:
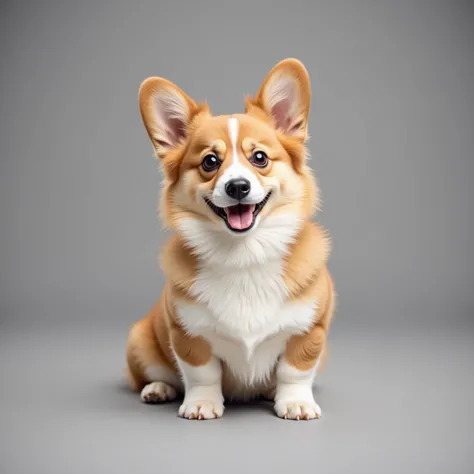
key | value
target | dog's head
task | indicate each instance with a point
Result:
(234, 173)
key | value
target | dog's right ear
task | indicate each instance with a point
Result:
(166, 112)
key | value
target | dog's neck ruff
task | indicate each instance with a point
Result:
(268, 241)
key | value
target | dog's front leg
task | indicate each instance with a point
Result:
(202, 375)
(295, 373)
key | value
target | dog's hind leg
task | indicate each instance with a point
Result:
(150, 371)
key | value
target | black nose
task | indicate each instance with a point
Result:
(238, 188)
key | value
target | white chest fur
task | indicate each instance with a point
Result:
(250, 355)
(240, 296)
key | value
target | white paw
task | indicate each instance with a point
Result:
(297, 409)
(157, 392)
(201, 410)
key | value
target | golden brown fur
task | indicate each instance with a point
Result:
(158, 338)
(150, 338)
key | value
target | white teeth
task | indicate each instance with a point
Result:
(224, 211)
(240, 207)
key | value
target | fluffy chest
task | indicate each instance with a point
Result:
(240, 298)
(251, 355)
(240, 280)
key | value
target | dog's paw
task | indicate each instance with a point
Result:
(297, 409)
(201, 410)
(157, 392)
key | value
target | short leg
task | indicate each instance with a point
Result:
(149, 371)
(295, 373)
(294, 399)
(203, 398)
(202, 375)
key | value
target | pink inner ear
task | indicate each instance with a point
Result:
(284, 107)
(176, 129)
(170, 115)
(280, 112)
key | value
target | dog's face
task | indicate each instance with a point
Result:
(232, 173)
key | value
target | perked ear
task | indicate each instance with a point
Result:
(166, 112)
(285, 95)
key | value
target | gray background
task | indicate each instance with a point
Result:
(393, 147)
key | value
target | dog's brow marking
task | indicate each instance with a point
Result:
(233, 125)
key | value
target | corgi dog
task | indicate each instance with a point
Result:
(248, 300)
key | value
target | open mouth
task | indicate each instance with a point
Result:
(241, 217)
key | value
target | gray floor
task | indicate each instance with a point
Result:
(392, 402)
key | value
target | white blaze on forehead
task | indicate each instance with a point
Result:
(234, 171)
(233, 125)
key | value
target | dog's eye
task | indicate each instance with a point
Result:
(259, 159)
(210, 163)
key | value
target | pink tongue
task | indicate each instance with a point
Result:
(240, 217)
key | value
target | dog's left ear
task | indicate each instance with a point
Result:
(285, 95)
